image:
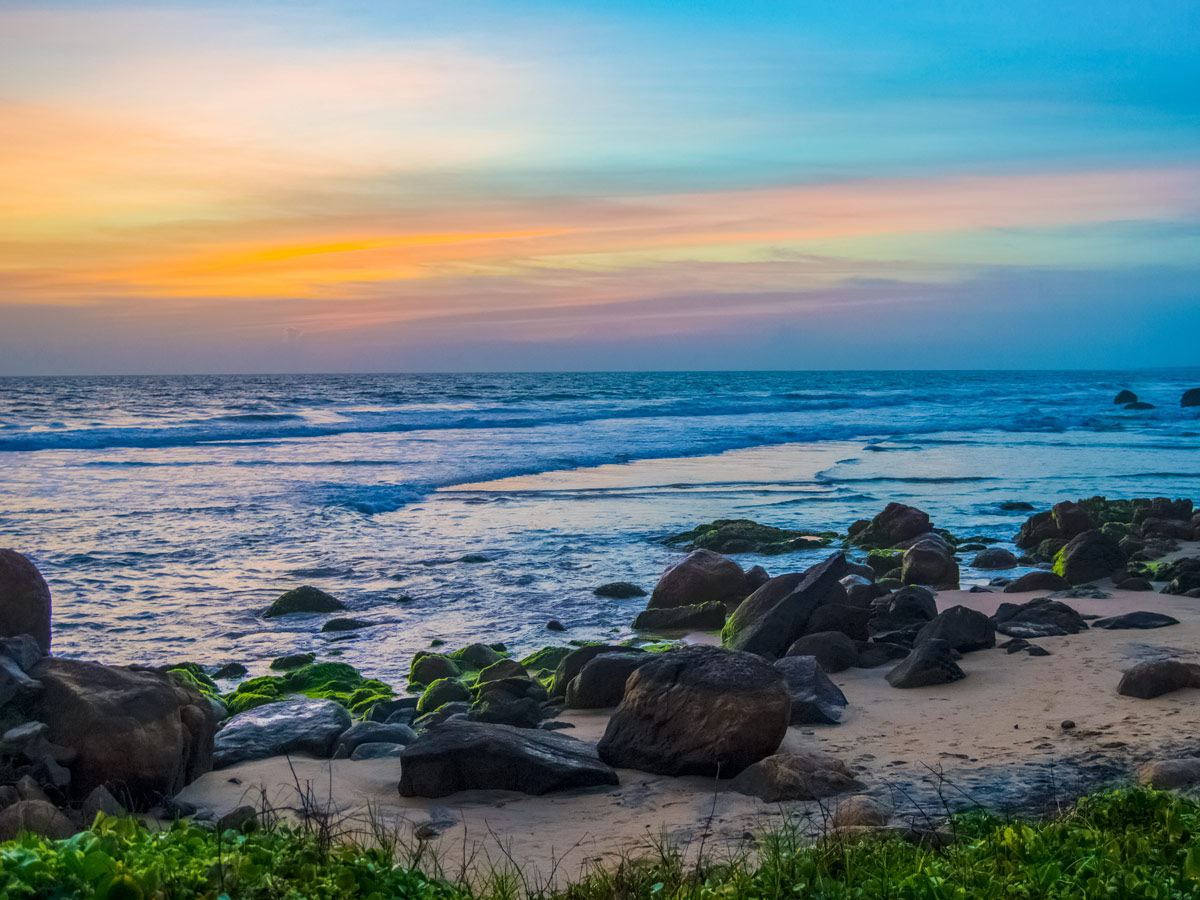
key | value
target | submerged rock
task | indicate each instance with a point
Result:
(994, 558)
(698, 711)
(1191, 397)
(833, 650)
(601, 681)
(304, 599)
(1125, 396)
(460, 756)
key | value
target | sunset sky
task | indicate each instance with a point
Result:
(251, 187)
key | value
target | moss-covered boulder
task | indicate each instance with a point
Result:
(444, 690)
(476, 656)
(304, 599)
(746, 536)
(326, 680)
(193, 674)
(505, 668)
(292, 661)
(428, 667)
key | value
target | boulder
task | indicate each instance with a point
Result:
(1016, 506)
(601, 682)
(1185, 576)
(619, 590)
(506, 668)
(572, 664)
(701, 617)
(36, 816)
(1125, 396)
(832, 649)
(1089, 556)
(962, 628)
(1156, 677)
(698, 711)
(499, 707)
(1167, 529)
(701, 577)
(994, 558)
(1140, 619)
(769, 620)
(338, 625)
(911, 605)
(294, 726)
(1166, 508)
(1135, 584)
(1042, 617)
(815, 699)
(377, 750)
(24, 599)
(1170, 774)
(133, 728)
(931, 662)
(872, 654)
(1071, 519)
(476, 656)
(427, 668)
(896, 523)
(795, 776)
(1040, 580)
(756, 578)
(304, 599)
(930, 562)
(16, 684)
(370, 733)
(852, 621)
(442, 691)
(1191, 397)
(861, 810)
(100, 800)
(461, 756)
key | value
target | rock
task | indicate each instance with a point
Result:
(931, 662)
(572, 664)
(1156, 677)
(304, 599)
(503, 708)
(101, 800)
(231, 670)
(444, 690)
(8, 796)
(427, 668)
(1170, 774)
(1067, 724)
(815, 699)
(1125, 396)
(1089, 556)
(773, 617)
(237, 819)
(1165, 508)
(1191, 397)
(701, 577)
(745, 536)
(1071, 520)
(911, 605)
(555, 625)
(377, 750)
(1042, 617)
(28, 789)
(930, 562)
(1139, 405)
(698, 711)
(875, 653)
(896, 523)
(962, 628)
(1016, 506)
(24, 599)
(132, 728)
(476, 656)
(1138, 619)
(371, 732)
(601, 682)
(1037, 581)
(862, 594)
(833, 650)
(1135, 584)
(1167, 529)
(1037, 528)
(461, 756)
(292, 661)
(852, 621)
(335, 625)
(506, 668)
(795, 776)
(293, 726)
(36, 816)
(756, 578)
(701, 617)
(1185, 576)
(16, 686)
(860, 810)
(994, 558)
(619, 590)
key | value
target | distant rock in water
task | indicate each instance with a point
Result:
(1138, 404)
(24, 599)
(1191, 397)
(1126, 396)
(619, 590)
(304, 599)
(746, 536)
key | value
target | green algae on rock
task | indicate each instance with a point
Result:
(746, 536)
(304, 599)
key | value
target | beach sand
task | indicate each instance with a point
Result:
(994, 738)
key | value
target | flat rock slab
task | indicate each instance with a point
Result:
(461, 756)
(1136, 620)
(294, 726)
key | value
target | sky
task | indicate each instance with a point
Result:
(519, 185)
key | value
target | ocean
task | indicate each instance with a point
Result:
(167, 512)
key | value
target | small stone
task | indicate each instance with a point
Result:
(1067, 724)
(555, 625)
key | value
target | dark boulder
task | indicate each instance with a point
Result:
(371, 733)
(815, 699)
(931, 662)
(1037, 528)
(304, 599)
(769, 620)
(962, 628)
(832, 649)
(337, 625)
(462, 756)
(1166, 508)
(1139, 405)
(701, 577)
(930, 562)
(601, 682)
(1167, 529)
(1016, 506)
(1140, 619)
(1089, 556)
(1156, 677)
(1191, 397)
(1042, 617)
(795, 776)
(1125, 396)
(1071, 519)
(1135, 584)
(911, 605)
(499, 707)
(619, 590)
(1185, 576)
(702, 617)
(24, 599)
(293, 726)
(994, 558)
(698, 711)
(872, 654)
(505, 668)
(572, 664)
(896, 523)
(442, 691)
(1040, 580)
(36, 816)
(849, 620)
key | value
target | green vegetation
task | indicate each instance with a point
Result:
(746, 536)
(1132, 844)
(324, 680)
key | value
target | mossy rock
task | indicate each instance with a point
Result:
(326, 680)
(747, 536)
(304, 599)
(1117, 529)
(476, 656)
(546, 658)
(231, 670)
(191, 674)
(292, 661)
(1048, 550)
(883, 560)
(1104, 511)
(619, 590)
(505, 668)
(426, 668)
(442, 691)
